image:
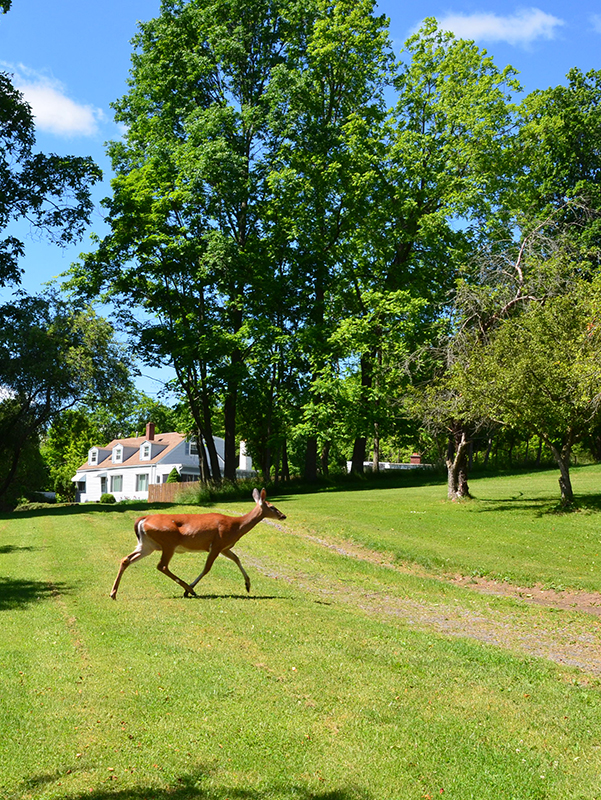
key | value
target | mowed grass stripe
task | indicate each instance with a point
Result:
(512, 530)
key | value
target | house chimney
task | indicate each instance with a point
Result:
(150, 431)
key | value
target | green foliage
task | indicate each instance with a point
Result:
(539, 371)
(107, 498)
(52, 192)
(559, 131)
(298, 250)
(53, 355)
(174, 476)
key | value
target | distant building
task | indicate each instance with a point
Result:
(126, 468)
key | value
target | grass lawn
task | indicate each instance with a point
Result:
(339, 677)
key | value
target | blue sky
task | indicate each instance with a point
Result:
(71, 60)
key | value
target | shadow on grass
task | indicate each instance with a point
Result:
(539, 507)
(189, 787)
(19, 593)
(238, 597)
(83, 508)
(7, 549)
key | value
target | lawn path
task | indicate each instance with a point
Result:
(559, 626)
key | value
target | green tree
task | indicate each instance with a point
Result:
(187, 240)
(174, 476)
(65, 448)
(558, 144)
(52, 357)
(234, 126)
(540, 371)
(436, 178)
(336, 109)
(51, 192)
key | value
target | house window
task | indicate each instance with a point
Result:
(93, 457)
(102, 485)
(117, 455)
(116, 483)
(192, 448)
(145, 452)
(142, 482)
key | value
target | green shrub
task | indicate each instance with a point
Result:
(174, 476)
(107, 498)
(27, 506)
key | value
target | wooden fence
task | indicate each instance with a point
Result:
(169, 492)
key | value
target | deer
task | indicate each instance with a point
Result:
(178, 533)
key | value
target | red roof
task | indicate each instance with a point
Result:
(168, 442)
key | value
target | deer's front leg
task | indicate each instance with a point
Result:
(163, 566)
(213, 553)
(233, 557)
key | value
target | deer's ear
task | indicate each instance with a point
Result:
(256, 496)
(263, 495)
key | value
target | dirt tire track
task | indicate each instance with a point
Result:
(561, 640)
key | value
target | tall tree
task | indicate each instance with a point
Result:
(438, 175)
(559, 144)
(524, 288)
(187, 241)
(52, 357)
(540, 370)
(336, 108)
(229, 203)
(51, 192)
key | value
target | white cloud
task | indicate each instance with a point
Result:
(596, 22)
(53, 110)
(521, 28)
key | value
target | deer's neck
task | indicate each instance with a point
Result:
(248, 521)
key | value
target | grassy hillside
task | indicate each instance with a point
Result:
(354, 671)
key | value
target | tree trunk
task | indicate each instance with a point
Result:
(266, 463)
(325, 459)
(285, 465)
(360, 446)
(562, 459)
(229, 413)
(456, 462)
(310, 473)
(207, 434)
(358, 457)
(230, 405)
(203, 464)
(16, 456)
(376, 449)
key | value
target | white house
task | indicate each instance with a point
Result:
(126, 467)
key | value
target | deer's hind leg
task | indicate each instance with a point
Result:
(163, 566)
(145, 548)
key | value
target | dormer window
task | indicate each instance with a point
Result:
(117, 455)
(93, 457)
(145, 452)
